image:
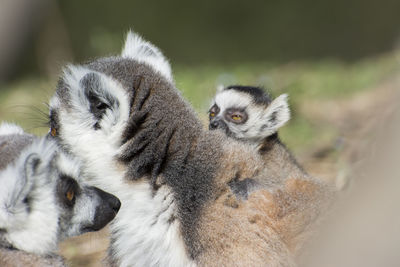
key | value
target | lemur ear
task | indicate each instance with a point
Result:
(14, 190)
(277, 113)
(32, 165)
(145, 52)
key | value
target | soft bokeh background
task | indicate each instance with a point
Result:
(338, 60)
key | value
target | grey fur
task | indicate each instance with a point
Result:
(11, 146)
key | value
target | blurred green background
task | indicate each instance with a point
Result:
(339, 62)
(313, 50)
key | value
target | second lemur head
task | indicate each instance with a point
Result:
(248, 113)
(43, 198)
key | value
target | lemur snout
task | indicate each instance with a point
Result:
(114, 203)
(110, 201)
(214, 124)
(106, 211)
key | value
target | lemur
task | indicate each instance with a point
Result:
(43, 200)
(250, 115)
(190, 197)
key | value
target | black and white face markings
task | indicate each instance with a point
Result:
(84, 208)
(42, 197)
(248, 113)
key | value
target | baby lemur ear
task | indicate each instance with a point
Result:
(145, 52)
(277, 113)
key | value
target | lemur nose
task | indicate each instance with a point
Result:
(110, 201)
(115, 204)
(214, 124)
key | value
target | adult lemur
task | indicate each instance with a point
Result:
(43, 200)
(189, 196)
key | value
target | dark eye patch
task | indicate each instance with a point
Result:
(53, 123)
(214, 110)
(65, 186)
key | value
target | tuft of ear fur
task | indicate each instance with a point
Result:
(277, 113)
(220, 88)
(144, 52)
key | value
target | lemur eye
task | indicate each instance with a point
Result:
(236, 117)
(213, 111)
(53, 132)
(70, 195)
(69, 190)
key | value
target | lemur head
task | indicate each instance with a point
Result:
(95, 105)
(42, 197)
(248, 113)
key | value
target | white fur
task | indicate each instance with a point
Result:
(10, 128)
(35, 232)
(143, 235)
(145, 52)
(258, 115)
(281, 107)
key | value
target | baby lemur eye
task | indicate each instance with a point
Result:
(236, 117)
(213, 111)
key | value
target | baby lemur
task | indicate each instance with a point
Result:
(250, 115)
(43, 200)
